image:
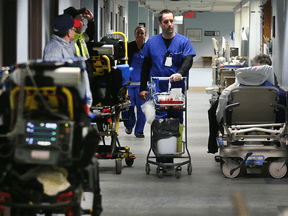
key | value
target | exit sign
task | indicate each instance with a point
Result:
(190, 14)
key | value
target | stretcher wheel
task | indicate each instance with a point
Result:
(178, 172)
(189, 169)
(217, 158)
(227, 167)
(118, 165)
(160, 173)
(274, 170)
(147, 169)
(129, 161)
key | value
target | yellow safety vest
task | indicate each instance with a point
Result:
(81, 38)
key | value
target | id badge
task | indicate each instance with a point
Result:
(168, 61)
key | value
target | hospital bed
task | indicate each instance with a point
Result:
(254, 132)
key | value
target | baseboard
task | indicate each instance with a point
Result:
(197, 88)
(199, 64)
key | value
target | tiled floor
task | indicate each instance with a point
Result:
(205, 192)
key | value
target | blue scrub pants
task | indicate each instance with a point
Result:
(133, 92)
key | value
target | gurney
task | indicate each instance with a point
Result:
(109, 88)
(254, 132)
(47, 153)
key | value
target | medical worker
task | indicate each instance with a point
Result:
(62, 48)
(135, 60)
(80, 37)
(166, 55)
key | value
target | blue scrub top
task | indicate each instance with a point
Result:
(156, 50)
(136, 64)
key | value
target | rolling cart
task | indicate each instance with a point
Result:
(164, 102)
(109, 89)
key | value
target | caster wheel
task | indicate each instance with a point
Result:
(118, 165)
(177, 173)
(129, 161)
(160, 173)
(217, 158)
(147, 169)
(189, 169)
(227, 167)
(277, 172)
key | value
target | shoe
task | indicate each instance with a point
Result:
(128, 131)
(140, 136)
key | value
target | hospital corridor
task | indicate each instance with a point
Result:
(143, 108)
(206, 192)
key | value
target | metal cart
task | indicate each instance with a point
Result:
(169, 106)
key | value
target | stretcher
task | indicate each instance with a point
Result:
(46, 159)
(255, 133)
(109, 88)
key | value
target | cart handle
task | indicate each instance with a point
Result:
(168, 78)
(126, 46)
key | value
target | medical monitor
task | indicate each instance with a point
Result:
(45, 142)
(41, 133)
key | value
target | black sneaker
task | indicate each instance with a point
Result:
(128, 131)
(140, 136)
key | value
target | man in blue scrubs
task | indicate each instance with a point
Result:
(135, 60)
(166, 55)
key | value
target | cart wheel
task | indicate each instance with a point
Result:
(217, 158)
(147, 169)
(158, 169)
(178, 173)
(274, 170)
(160, 173)
(189, 169)
(118, 165)
(129, 161)
(226, 168)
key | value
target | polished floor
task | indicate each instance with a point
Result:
(205, 192)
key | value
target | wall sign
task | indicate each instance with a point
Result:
(195, 35)
(190, 14)
(211, 33)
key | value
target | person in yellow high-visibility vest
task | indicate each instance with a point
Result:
(81, 38)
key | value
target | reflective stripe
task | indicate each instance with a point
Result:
(81, 38)
(86, 37)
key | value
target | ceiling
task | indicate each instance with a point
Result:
(180, 6)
